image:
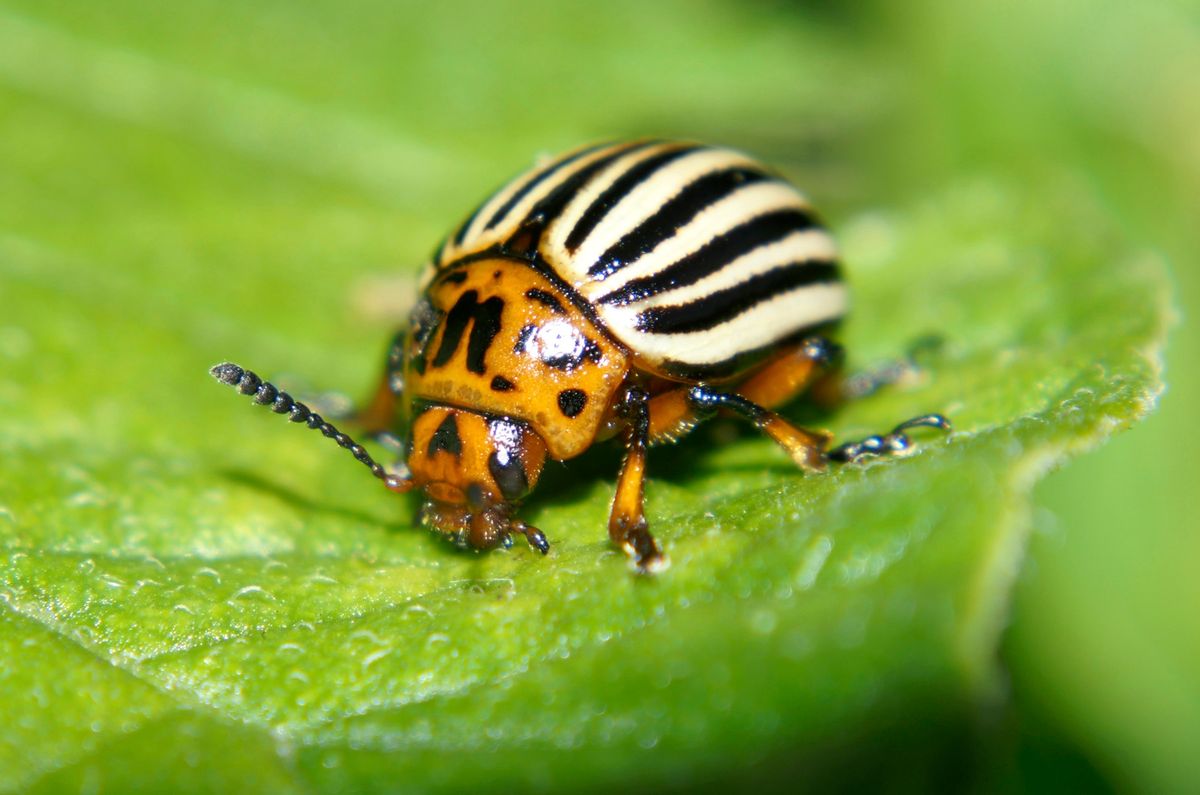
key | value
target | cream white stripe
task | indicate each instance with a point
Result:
(548, 185)
(494, 203)
(477, 237)
(556, 236)
(810, 244)
(735, 209)
(761, 325)
(646, 199)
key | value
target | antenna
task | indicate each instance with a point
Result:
(265, 393)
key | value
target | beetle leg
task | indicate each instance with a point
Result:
(627, 524)
(673, 414)
(833, 392)
(787, 375)
(895, 443)
(378, 417)
(805, 447)
(535, 537)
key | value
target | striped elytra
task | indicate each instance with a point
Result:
(692, 257)
(625, 290)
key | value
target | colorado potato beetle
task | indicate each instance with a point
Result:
(626, 289)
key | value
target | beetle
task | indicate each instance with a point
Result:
(627, 289)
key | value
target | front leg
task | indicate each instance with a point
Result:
(627, 522)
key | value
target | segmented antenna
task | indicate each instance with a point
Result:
(265, 393)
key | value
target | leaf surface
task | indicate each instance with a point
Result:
(192, 594)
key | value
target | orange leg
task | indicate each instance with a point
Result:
(627, 522)
(806, 448)
(783, 378)
(812, 365)
(675, 413)
(378, 417)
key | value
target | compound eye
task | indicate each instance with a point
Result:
(422, 322)
(506, 462)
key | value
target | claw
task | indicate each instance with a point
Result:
(895, 443)
(535, 537)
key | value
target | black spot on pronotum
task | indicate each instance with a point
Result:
(523, 336)
(456, 277)
(502, 384)
(509, 475)
(445, 438)
(571, 402)
(570, 360)
(546, 299)
(484, 319)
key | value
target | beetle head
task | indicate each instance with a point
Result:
(473, 469)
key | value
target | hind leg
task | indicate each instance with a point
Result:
(673, 414)
(814, 363)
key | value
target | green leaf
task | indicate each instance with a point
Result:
(195, 596)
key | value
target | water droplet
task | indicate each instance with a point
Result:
(369, 635)
(251, 590)
(813, 562)
(374, 656)
(207, 572)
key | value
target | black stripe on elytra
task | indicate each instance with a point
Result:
(546, 299)
(552, 204)
(619, 189)
(723, 305)
(672, 216)
(485, 325)
(460, 234)
(445, 438)
(713, 255)
(502, 384)
(743, 360)
(439, 251)
(534, 181)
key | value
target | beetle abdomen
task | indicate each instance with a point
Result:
(693, 257)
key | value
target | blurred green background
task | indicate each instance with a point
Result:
(419, 107)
